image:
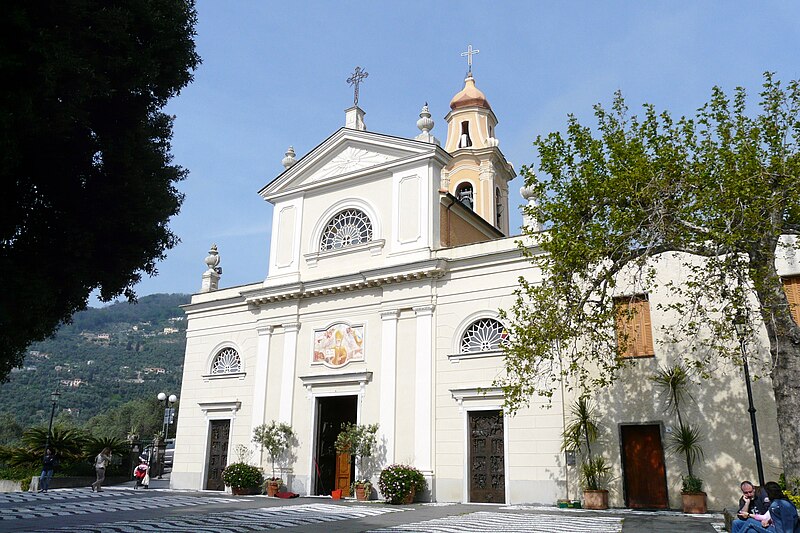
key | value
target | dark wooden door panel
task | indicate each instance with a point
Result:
(486, 457)
(645, 476)
(218, 454)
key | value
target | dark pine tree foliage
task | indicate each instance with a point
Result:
(89, 183)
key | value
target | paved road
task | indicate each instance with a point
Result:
(123, 510)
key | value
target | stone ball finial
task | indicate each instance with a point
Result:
(212, 259)
(290, 158)
(425, 122)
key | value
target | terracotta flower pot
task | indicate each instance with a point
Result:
(694, 502)
(272, 488)
(361, 493)
(595, 499)
(409, 497)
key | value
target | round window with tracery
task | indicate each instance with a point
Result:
(484, 335)
(227, 361)
(347, 228)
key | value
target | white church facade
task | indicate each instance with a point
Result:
(390, 259)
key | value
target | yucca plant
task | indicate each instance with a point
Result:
(685, 439)
(582, 430)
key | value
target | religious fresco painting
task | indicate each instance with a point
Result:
(338, 345)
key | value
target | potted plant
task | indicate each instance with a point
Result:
(399, 483)
(243, 478)
(358, 441)
(685, 440)
(276, 439)
(579, 435)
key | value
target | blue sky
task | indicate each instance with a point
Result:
(273, 75)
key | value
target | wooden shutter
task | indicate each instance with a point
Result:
(633, 320)
(791, 285)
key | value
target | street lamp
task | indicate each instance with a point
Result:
(54, 398)
(169, 414)
(740, 323)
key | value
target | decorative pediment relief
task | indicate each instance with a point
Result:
(350, 159)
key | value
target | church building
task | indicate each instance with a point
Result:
(389, 261)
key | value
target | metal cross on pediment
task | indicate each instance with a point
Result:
(469, 53)
(357, 77)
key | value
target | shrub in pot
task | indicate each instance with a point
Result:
(399, 483)
(243, 478)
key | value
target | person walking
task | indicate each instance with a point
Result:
(100, 464)
(141, 474)
(48, 467)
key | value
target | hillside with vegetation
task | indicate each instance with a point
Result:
(104, 359)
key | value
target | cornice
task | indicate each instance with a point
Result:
(429, 269)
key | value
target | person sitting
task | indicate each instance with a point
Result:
(753, 507)
(783, 516)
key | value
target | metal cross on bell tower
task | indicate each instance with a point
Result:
(469, 53)
(357, 77)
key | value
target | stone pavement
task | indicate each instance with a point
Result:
(122, 509)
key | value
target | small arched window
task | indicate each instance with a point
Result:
(484, 335)
(227, 361)
(347, 228)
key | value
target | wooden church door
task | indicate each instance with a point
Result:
(487, 472)
(218, 454)
(644, 474)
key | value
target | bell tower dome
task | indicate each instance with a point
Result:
(478, 174)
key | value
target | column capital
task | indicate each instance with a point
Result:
(291, 327)
(390, 314)
(265, 330)
(423, 310)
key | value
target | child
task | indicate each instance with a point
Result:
(142, 474)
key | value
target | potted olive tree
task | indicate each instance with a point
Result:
(276, 439)
(685, 439)
(580, 433)
(359, 442)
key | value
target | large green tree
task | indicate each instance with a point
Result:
(718, 192)
(87, 174)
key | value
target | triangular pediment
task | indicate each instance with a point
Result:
(348, 153)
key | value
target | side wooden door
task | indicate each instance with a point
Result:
(217, 454)
(343, 473)
(487, 472)
(644, 473)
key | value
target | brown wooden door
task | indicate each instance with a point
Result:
(645, 478)
(218, 454)
(487, 473)
(343, 473)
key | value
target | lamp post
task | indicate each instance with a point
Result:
(169, 413)
(740, 323)
(54, 398)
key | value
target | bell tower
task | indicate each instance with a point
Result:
(478, 174)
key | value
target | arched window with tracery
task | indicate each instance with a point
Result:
(347, 228)
(227, 361)
(484, 335)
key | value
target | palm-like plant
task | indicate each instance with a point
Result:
(580, 433)
(67, 443)
(685, 440)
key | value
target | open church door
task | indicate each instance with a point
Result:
(332, 412)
